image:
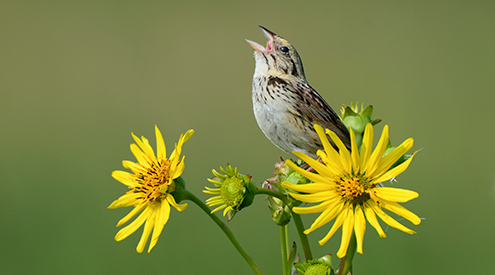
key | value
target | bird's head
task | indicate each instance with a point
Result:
(279, 56)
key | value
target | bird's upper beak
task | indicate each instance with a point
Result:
(270, 37)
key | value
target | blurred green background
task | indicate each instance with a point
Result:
(76, 77)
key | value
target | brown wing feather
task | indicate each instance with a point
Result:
(317, 111)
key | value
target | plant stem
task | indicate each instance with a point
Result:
(273, 193)
(191, 197)
(297, 220)
(284, 244)
(302, 237)
(346, 262)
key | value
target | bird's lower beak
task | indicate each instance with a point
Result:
(257, 47)
(270, 36)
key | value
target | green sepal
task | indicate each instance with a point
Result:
(250, 192)
(180, 188)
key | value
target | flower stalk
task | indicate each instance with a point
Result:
(284, 244)
(302, 237)
(297, 220)
(346, 262)
(225, 229)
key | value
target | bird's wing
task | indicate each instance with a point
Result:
(317, 111)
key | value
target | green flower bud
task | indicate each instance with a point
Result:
(355, 123)
(235, 191)
(357, 120)
(322, 266)
(280, 212)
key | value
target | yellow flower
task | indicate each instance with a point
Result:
(348, 187)
(151, 182)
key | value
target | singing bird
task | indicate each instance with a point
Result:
(286, 107)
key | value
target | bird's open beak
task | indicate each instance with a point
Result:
(270, 36)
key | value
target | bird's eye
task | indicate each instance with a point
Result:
(284, 49)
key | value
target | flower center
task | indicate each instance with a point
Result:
(353, 189)
(152, 179)
(232, 191)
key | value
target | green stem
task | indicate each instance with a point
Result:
(273, 193)
(302, 237)
(346, 262)
(191, 197)
(297, 220)
(284, 244)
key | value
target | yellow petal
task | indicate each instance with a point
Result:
(334, 168)
(137, 209)
(218, 175)
(366, 146)
(377, 154)
(178, 147)
(332, 156)
(394, 194)
(226, 210)
(345, 157)
(179, 169)
(336, 225)
(144, 145)
(124, 177)
(133, 226)
(392, 173)
(401, 211)
(311, 176)
(386, 162)
(389, 220)
(219, 208)
(135, 167)
(359, 227)
(316, 197)
(214, 201)
(175, 157)
(371, 217)
(326, 216)
(179, 207)
(354, 151)
(326, 205)
(139, 155)
(126, 200)
(212, 191)
(161, 150)
(318, 166)
(148, 226)
(327, 146)
(215, 182)
(160, 221)
(188, 135)
(346, 232)
(309, 188)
